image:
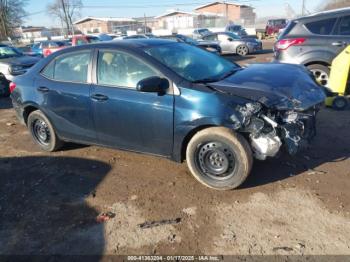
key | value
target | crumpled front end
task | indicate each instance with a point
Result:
(271, 130)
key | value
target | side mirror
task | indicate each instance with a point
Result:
(153, 84)
(229, 39)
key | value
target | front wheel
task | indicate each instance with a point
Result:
(43, 132)
(242, 50)
(219, 158)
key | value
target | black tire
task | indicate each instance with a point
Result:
(4, 87)
(340, 103)
(242, 50)
(321, 73)
(219, 158)
(43, 132)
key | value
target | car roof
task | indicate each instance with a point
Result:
(126, 44)
(3, 45)
(325, 14)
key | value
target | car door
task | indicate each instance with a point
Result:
(341, 34)
(124, 117)
(63, 88)
(225, 44)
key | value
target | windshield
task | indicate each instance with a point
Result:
(232, 35)
(187, 39)
(192, 63)
(7, 51)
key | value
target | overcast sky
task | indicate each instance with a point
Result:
(134, 8)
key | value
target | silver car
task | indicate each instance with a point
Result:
(231, 43)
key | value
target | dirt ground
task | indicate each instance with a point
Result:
(288, 206)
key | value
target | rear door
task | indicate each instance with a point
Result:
(341, 34)
(63, 88)
(124, 117)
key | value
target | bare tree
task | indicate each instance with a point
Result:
(11, 16)
(66, 11)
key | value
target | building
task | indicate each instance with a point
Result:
(148, 21)
(31, 32)
(90, 24)
(176, 19)
(232, 12)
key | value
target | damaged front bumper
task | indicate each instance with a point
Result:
(269, 130)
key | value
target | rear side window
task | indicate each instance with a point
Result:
(343, 27)
(321, 27)
(69, 68)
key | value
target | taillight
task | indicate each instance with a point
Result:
(12, 86)
(284, 44)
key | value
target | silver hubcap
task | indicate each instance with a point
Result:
(320, 76)
(242, 50)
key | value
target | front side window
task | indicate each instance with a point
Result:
(190, 62)
(211, 37)
(322, 27)
(344, 26)
(121, 69)
(69, 68)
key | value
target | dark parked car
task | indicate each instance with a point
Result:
(199, 33)
(314, 41)
(169, 99)
(236, 29)
(231, 43)
(210, 46)
(12, 63)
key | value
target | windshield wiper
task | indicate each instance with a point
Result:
(206, 80)
(231, 72)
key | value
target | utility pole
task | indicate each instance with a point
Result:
(65, 15)
(303, 7)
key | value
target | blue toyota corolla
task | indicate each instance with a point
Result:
(169, 99)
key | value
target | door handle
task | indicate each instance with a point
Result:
(99, 97)
(43, 89)
(339, 44)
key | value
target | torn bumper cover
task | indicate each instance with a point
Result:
(268, 131)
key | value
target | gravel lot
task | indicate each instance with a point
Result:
(292, 205)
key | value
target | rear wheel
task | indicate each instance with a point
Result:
(242, 50)
(42, 132)
(321, 73)
(219, 158)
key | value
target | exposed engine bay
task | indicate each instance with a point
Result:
(268, 130)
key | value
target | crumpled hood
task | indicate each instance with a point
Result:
(20, 60)
(279, 86)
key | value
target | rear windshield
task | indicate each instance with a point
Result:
(288, 29)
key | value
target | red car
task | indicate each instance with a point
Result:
(274, 26)
(54, 46)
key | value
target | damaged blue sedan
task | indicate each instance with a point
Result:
(172, 100)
